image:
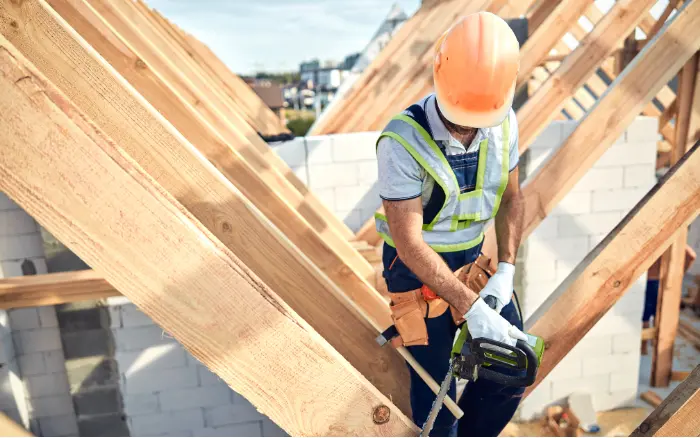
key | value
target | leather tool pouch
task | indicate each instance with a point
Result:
(475, 276)
(409, 318)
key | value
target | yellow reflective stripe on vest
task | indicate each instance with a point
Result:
(479, 187)
(506, 165)
(436, 247)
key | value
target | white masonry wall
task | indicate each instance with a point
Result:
(167, 392)
(34, 388)
(606, 362)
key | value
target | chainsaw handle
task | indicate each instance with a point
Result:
(530, 359)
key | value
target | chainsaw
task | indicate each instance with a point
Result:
(474, 358)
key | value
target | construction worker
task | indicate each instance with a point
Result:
(447, 165)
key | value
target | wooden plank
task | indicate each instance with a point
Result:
(615, 110)
(185, 173)
(652, 398)
(9, 428)
(540, 12)
(694, 126)
(672, 262)
(677, 415)
(90, 194)
(604, 275)
(52, 289)
(541, 108)
(651, 33)
(648, 333)
(679, 376)
(668, 114)
(553, 28)
(179, 71)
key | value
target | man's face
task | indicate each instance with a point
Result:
(455, 130)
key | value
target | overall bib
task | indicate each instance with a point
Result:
(487, 406)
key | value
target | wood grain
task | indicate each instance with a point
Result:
(166, 155)
(52, 289)
(88, 193)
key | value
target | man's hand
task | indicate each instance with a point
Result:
(500, 285)
(484, 322)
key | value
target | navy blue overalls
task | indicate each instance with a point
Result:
(487, 406)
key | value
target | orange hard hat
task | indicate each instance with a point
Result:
(475, 69)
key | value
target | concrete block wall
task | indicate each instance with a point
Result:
(167, 392)
(606, 362)
(33, 381)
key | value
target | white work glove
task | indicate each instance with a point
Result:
(500, 285)
(484, 322)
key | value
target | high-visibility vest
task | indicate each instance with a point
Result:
(459, 225)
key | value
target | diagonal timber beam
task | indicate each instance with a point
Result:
(551, 30)
(677, 415)
(77, 182)
(652, 69)
(123, 114)
(542, 107)
(601, 279)
(173, 63)
(52, 289)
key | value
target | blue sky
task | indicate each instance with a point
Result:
(275, 35)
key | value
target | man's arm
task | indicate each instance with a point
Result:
(509, 220)
(405, 219)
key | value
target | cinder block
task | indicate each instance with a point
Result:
(353, 219)
(21, 247)
(253, 428)
(34, 341)
(63, 425)
(626, 343)
(15, 222)
(146, 381)
(605, 363)
(98, 401)
(202, 397)
(549, 138)
(115, 316)
(51, 406)
(624, 380)
(625, 154)
(207, 378)
(614, 323)
(86, 343)
(319, 150)
(226, 415)
(327, 196)
(140, 404)
(24, 319)
(569, 248)
(47, 316)
(600, 178)
(593, 384)
(55, 361)
(292, 152)
(567, 128)
(129, 339)
(31, 364)
(356, 146)
(573, 203)
(173, 421)
(301, 173)
(592, 345)
(6, 203)
(46, 384)
(157, 357)
(351, 198)
(13, 268)
(324, 176)
(643, 129)
(535, 159)
(588, 224)
(368, 172)
(569, 368)
(132, 316)
(96, 425)
(605, 401)
(271, 429)
(641, 176)
(616, 200)
(547, 229)
(543, 270)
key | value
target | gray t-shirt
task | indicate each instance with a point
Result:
(400, 175)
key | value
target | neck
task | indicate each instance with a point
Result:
(461, 133)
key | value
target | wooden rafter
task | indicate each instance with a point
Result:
(626, 252)
(52, 289)
(540, 12)
(175, 164)
(677, 415)
(57, 165)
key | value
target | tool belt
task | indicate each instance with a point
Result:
(409, 310)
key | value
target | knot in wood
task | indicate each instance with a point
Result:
(617, 283)
(140, 64)
(381, 414)
(644, 427)
(14, 24)
(226, 227)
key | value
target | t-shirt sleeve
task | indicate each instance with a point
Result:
(399, 173)
(514, 154)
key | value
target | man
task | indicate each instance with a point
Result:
(447, 165)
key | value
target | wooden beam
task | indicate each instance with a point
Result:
(677, 415)
(553, 28)
(672, 262)
(113, 105)
(540, 12)
(52, 289)
(668, 114)
(661, 21)
(9, 428)
(87, 192)
(541, 108)
(616, 109)
(648, 334)
(604, 275)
